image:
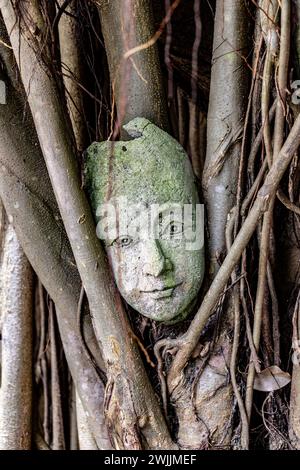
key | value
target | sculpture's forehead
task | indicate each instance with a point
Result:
(141, 171)
(152, 168)
(148, 186)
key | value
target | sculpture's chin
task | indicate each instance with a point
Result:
(167, 316)
(175, 319)
(168, 307)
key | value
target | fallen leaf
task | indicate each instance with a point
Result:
(270, 379)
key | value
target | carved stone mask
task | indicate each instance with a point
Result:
(148, 214)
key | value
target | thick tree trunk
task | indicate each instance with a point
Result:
(227, 107)
(137, 85)
(226, 113)
(16, 331)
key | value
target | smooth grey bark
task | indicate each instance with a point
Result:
(58, 432)
(227, 107)
(131, 406)
(16, 305)
(26, 192)
(73, 70)
(137, 82)
(85, 438)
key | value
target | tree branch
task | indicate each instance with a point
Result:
(188, 341)
(26, 192)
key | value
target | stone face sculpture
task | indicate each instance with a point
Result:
(148, 214)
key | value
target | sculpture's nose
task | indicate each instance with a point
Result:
(155, 261)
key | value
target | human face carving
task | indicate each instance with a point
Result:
(155, 271)
(154, 239)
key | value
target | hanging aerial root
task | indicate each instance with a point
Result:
(187, 342)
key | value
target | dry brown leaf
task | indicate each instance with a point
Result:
(270, 379)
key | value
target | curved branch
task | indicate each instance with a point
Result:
(189, 340)
(26, 192)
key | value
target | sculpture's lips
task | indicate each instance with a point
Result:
(161, 293)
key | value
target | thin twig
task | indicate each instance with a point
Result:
(275, 315)
(258, 140)
(156, 35)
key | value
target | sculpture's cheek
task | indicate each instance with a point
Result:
(126, 271)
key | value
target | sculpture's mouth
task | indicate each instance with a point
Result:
(162, 293)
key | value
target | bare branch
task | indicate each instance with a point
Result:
(189, 340)
(26, 192)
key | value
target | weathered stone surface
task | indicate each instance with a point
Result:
(141, 192)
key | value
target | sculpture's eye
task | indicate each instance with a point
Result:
(173, 229)
(122, 241)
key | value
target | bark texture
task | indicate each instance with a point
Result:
(137, 85)
(16, 331)
(73, 70)
(26, 192)
(86, 440)
(226, 112)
